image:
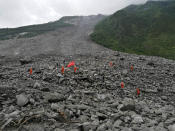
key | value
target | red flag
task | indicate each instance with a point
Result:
(138, 91)
(110, 63)
(75, 69)
(30, 71)
(132, 68)
(71, 64)
(62, 70)
(122, 84)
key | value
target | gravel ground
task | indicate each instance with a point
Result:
(89, 99)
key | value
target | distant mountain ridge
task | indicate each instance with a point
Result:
(147, 29)
(34, 30)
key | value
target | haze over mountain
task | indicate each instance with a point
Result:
(67, 36)
(147, 29)
(17, 13)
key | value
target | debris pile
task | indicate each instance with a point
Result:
(105, 93)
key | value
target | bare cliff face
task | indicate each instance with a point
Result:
(64, 41)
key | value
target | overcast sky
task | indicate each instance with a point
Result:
(15, 13)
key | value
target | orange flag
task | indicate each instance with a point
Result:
(132, 68)
(110, 63)
(62, 69)
(138, 91)
(122, 84)
(71, 64)
(30, 71)
(75, 69)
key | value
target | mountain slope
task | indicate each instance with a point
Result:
(147, 29)
(31, 30)
(61, 40)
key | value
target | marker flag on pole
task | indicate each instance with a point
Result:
(138, 91)
(62, 69)
(75, 69)
(110, 63)
(132, 68)
(71, 64)
(30, 71)
(122, 84)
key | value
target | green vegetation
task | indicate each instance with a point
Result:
(147, 29)
(32, 30)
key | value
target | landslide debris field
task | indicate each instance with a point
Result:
(90, 99)
(68, 40)
(44, 99)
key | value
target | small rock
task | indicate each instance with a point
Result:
(103, 97)
(53, 97)
(25, 60)
(83, 118)
(164, 97)
(170, 121)
(12, 115)
(102, 127)
(37, 70)
(117, 124)
(152, 123)
(45, 89)
(151, 63)
(58, 129)
(127, 119)
(114, 105)
(33, 127)
(74, 130)
(61, 80)
(150, 90)
(116, 116)
(122, 58)
(55, 106)
(32, 101)
(11, 108)
(78, 107)
(48, 77)
(116, 53)
(109, 124)
(89, 126)
(128, 104)
(53, 115)
(125, 72)
(126, 129)
(59, 75)
(148, 129)
(171, 127)
(137, 119)
(37, 85)
(142, 106)
(160, 128)
(21, 100)
(101, 116)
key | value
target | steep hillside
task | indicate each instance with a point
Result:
(147, 29)
(55, 38)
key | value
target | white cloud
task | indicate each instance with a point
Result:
(24, 12)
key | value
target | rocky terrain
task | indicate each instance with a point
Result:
(89, 99)
(36, 96)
